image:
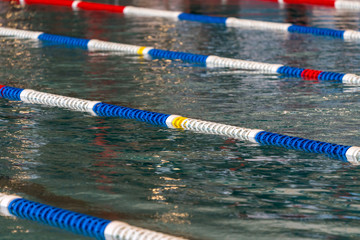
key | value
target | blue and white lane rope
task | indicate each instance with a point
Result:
(208, 60)
(349, 154)
(348, 35)
(12, 205)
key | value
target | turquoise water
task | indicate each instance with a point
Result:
(186, 184)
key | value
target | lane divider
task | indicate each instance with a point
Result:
(207, 60)
(12, 205)
(348, 35)
(338, 4)
(349, 154)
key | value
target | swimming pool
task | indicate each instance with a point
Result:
(186, 184)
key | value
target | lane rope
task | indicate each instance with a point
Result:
(207, 60)
(338, 4)
(12, 205)
(348, 35)
(349, 154)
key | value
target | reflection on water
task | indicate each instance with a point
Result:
(188, 184)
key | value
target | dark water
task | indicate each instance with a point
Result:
(187, 184)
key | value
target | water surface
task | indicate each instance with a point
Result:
(182, 183)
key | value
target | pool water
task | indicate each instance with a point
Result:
(186, 184)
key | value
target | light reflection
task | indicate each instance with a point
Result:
(174, 217)
(20, 229)
(23, 144)
(159, 194)
(169, 178)
(156, 196)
